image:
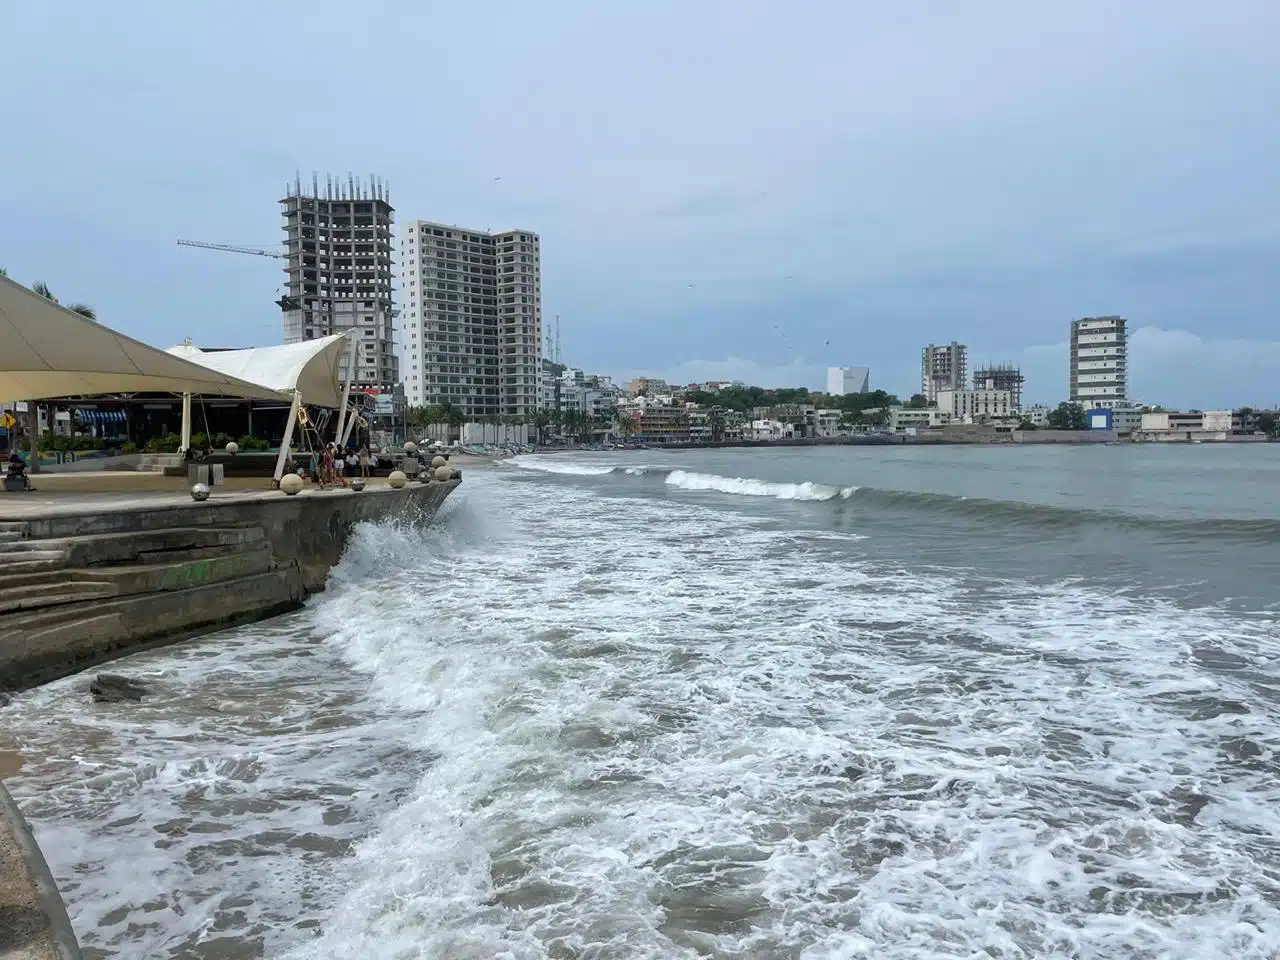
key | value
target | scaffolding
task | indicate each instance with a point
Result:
(1001, 376)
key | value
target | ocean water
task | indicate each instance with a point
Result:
(848, 703)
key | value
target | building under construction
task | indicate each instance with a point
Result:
(338, 249)
(1000, 376)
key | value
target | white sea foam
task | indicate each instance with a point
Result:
(748, 487)
(572, 725)
(559, 464)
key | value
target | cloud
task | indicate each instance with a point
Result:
(715, 202)
(1175, 368)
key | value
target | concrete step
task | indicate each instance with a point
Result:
(82, 637)
(37, 596)
(124, 547)
(9, 536)
(26, 565)
(23, 553)
(61, 640)
(176, 571)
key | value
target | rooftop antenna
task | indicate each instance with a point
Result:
(558, 354)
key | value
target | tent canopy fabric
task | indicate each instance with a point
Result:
(48, 351)
(310, 367)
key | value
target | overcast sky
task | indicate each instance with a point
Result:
(737, 189)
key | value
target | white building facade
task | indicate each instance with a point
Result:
(970, 406)
(845, 380)
(1099, 362)
(471, 320)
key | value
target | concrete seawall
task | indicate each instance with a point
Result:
(84, 581)
(88, 578)
(33, 920)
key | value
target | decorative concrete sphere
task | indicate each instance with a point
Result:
(357, 484)
(200, 492)
(233, 448)
(438, 461)
(410, 448)
(444, 473)
(291, 484)
(397, 479)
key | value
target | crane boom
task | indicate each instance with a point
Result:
(232, 248)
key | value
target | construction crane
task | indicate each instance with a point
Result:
(284, 303)
(232, 248)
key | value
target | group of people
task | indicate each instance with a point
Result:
(331, 467)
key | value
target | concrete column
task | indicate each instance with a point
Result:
(185, 445)
(287, 440)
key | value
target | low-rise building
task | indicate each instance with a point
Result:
(1037, 415)
(974, 406)
(1194, 425)
(827, 424)
(767, 430)
(909, 419)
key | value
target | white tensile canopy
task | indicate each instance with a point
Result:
(309, 367)
(48, 351)
(307, 371)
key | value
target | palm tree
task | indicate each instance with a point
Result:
(83, 309)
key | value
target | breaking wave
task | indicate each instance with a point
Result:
(750, 487)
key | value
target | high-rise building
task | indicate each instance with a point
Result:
(843, 380)
(943, 368)
(338, 249)
(1099, 361)
(471, 331)
(1000, 376)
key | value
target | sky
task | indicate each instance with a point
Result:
(739, 190)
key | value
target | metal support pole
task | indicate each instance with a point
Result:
(185, 445)
(351, 422)
(287, 440)
(346, 389)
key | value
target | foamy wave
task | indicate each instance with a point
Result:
(749, 487)
(550, 465)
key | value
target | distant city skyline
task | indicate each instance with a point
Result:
(990, 189)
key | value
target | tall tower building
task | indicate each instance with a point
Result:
(1099, 361)
(943, 368)
(472, 328)
(338, 243)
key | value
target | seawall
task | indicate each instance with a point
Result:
(33, 920)
(87, 578)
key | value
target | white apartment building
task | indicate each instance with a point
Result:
(943, 367)
(1099, 362)
(471, 321)
(969, 406)
(845, 380)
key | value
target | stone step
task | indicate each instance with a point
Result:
(81, 637)
(26, 554)
(178, 571)
(37, 596)
(9, 536)
(26, 565)
(123, 547)
(62, 640)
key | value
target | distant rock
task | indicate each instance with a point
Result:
(113, 688)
